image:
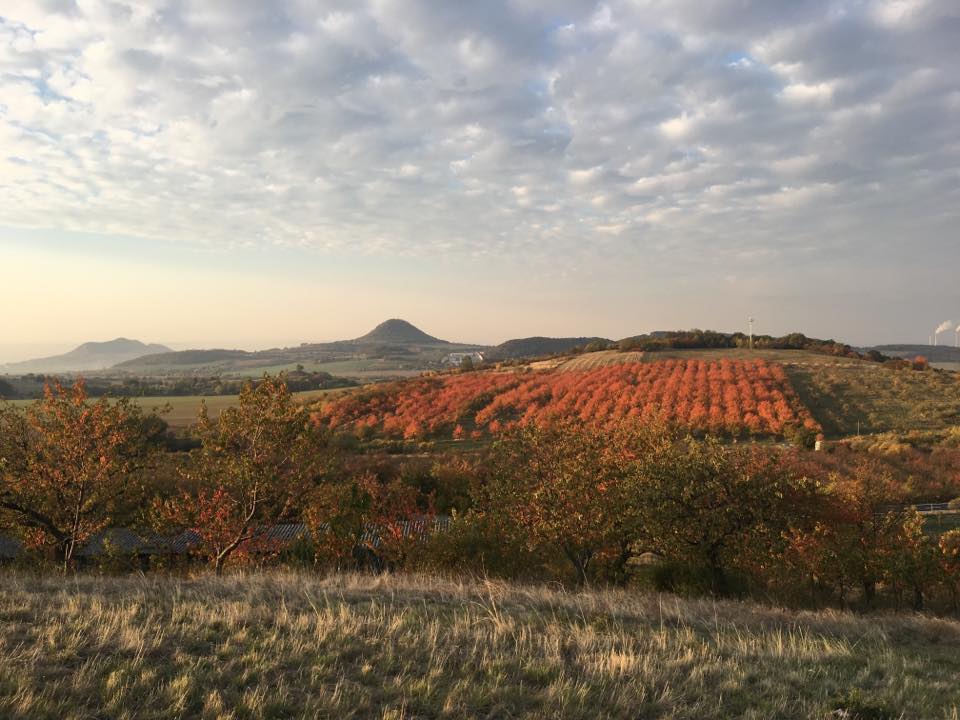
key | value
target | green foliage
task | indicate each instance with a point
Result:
(719, 508)
(571, 488)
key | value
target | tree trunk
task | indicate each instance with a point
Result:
(917, 599)
(869, 592)
(719, 583)
(64, 554)
(580, 559)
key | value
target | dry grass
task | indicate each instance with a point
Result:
(601, 358)
(879, 399)
(285, 646)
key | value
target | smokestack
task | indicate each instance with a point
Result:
(942, 327)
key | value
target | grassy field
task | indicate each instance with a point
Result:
(362, 368)
(183, 410)
(288, 646)
(589, 361)
(785, 357)
(872, 399)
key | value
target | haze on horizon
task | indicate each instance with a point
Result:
(249, 174)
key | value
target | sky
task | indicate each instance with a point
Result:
(237, 173)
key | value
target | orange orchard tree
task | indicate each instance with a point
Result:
(725, 396)
(68, 464)
(255, 466)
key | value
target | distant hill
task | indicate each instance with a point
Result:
(933, 353)
(89, 356)
(537, 346)
(184, 357)
(398, 332)
(392, 349)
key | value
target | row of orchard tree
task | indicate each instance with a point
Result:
(732, 397)
(559, 500)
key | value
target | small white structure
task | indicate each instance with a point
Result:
(456, 359)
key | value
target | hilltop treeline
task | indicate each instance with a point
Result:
(676, 340)
(630, 504)
(699, 339)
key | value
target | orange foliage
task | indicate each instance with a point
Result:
(718, 396)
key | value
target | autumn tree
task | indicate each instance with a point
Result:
(867, 519)
(570, 487)
(717, 508)
(253, 467)
(69, 464)
(949, 546)
(364, 518)
(912, 561)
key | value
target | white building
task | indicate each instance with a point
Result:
(456, 359)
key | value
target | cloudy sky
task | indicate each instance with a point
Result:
(248, 173)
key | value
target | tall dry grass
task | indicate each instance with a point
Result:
(289, 646)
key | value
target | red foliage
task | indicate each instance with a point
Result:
(725, 395)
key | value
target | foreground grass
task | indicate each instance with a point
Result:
(283, 645)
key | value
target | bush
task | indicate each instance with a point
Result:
(480, 545)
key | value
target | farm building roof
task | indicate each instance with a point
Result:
(125, 541)
(120, 540)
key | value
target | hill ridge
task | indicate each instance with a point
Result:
(91, 355)
(398, 331)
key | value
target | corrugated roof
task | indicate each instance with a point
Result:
(119, 540)
(129, 542)
(181, 543)
(283, 532)
(422, 527)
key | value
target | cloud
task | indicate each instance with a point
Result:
(771, 131)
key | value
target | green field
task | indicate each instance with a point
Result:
(368, 369)
(280, 645)
(183, 410)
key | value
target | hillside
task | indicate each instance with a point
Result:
(89, 356)
(539, 346)
(398, 332)
(395, 348)
(736, 398)
(193, 358)
(283, 645)
(844, 395)
(933, 353)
